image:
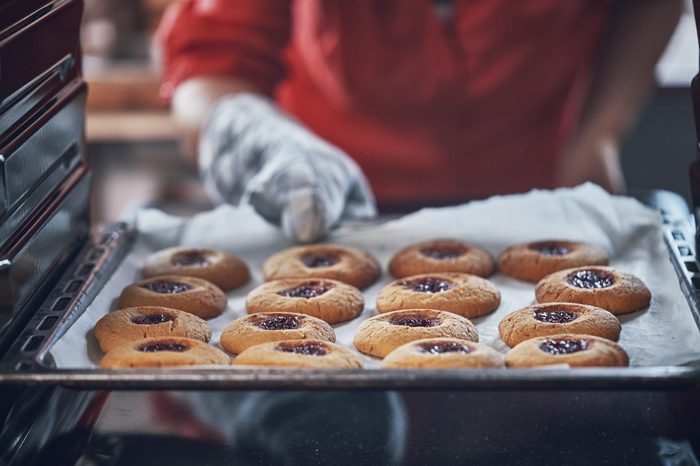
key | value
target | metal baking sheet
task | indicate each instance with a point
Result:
(679, 372)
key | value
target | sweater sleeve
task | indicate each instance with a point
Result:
(239, 38)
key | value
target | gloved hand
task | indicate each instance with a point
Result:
(251, 153)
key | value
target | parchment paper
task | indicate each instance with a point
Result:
(663, 334)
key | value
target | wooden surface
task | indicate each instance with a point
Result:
(132, 126)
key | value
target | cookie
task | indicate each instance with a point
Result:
(553, 318)
(567, 348)
(163, 352)
(329, 300)
(381, 334)
(273, 326)
(533, 261)
(460, 293)
(189, 294)
(299, 353)
(348, 265)
(617, 292)
(136, 323)
(222, 269)
(442, 353)
(441, 255)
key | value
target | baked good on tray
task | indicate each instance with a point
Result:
(135, 323)
(380, 335)
(189, 294)
(553, 318)
(615, 291)
(300, 353)
(442, 353)
(534, 261)
(163, 352)
(567, 348)
(329, 300)
(273, 326)
(441, 255)
(220, 268)
(460, 293)
(349, 265)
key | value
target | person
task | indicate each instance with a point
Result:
(288, 104)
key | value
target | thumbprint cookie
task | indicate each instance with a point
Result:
(189, 294)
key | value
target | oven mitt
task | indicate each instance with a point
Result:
(251, 153)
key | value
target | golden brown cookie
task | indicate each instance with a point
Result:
(299, 353)
(442, 353)
(163, 352)
(136, 323)
(534, 261)
(273, 326)
(348, 265)
(461, 293)
(617, 292)
(381, 334)
(329, 300)
(567, 348)
(553, 318)
(222, 269)
(189, 294)
(441, 255)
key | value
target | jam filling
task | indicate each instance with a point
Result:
(565, 346)
(314, 261)
(161, 346)
(443, 252)
(555, 317)
(550, 249)
(416, 321)
(166, 286)
(307, 290)
(590, 279)
(444, 347)
(152, 319)
(427, 285)
(279, 322)
(305, 348)
(189, 259)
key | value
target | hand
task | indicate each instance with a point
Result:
(595, 159)
(251, 153)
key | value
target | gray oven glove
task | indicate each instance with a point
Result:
(251, 153)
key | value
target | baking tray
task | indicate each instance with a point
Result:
(28, 361)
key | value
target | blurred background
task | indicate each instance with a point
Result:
(133, 149)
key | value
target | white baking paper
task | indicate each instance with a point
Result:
(663, 334)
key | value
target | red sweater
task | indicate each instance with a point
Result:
(432, 110)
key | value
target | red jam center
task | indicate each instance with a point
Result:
(152, 319)
(166, 286)
(305, 348)
(550, 249)
(555, 317)
(416, 321)
(189, 259)
(590, 279)
(443, 252)
(444, 347)
(427, 285)
(314, 261)
(565, 346)
(306, 290)
(279, 322)
(162, 346)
